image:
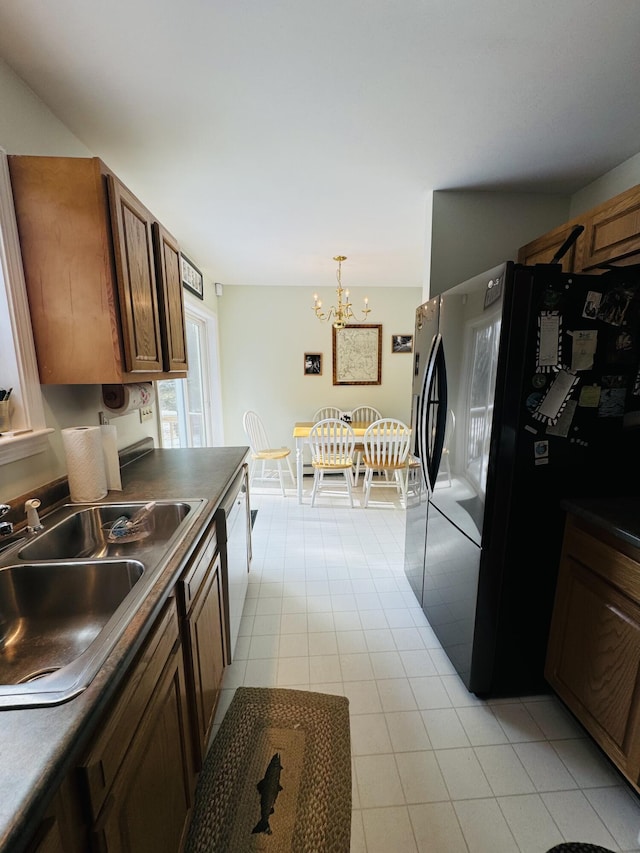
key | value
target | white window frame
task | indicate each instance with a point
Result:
(31, 433)
(212, 397)
(211, 354)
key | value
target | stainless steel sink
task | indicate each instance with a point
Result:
(67, 595)
(83, 534)
(51, 613)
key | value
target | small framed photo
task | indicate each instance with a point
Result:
(401, 343)
(313, 364)
(191, 277)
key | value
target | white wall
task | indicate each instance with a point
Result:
(474, 231)
(27, 126)
(265, 332)
(622, 178)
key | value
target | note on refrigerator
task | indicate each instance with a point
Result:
(583, 349)
(549, 345)
(554, 401)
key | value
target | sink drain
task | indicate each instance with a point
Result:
(41, 673)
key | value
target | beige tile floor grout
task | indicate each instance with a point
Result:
(434, 768)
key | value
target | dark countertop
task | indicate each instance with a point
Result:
(618, 516)
(38, 746)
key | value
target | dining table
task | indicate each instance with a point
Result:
(301, 432)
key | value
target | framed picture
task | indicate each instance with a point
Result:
(313, 364)
(191, 277)
(357, 355)
(401, 343)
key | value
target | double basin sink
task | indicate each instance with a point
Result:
(68, 592)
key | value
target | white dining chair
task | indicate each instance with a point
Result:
(366, 415)
(331, 441)
(386, 450)
(326, 412)
(262, 454)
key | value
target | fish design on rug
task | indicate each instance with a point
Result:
(269, 788)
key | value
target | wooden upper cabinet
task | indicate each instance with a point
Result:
(542, 250)
(135, 273)
(170, 300)
(97, 302)
(613, 231)
(611, 235)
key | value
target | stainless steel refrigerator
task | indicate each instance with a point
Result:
(525, 392)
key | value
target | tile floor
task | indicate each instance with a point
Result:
(434, 768)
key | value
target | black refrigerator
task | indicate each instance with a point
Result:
(525, 392)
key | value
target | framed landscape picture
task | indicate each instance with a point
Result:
(191, 277)
(357, 355)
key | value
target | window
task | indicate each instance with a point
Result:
(190, 409)
(18, 368)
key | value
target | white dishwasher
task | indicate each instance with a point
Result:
(233, 529)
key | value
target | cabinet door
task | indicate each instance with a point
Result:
(543, 249)
(206, 653)
(150, 801)
(612, 231)
(593, 658)
(135, 272)
(170, 300)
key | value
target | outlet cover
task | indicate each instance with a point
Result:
(146, 414)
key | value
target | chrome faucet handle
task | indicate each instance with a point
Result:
(6, 527)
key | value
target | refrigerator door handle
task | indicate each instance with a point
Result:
(432, 416)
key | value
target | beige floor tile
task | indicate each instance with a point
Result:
(436, 828)
(378, 781)
(388, 830)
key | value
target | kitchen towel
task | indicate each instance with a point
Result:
(122, 399)
(85, 463)
(109, 437)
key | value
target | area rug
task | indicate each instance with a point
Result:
(578, 847)
(277, 778)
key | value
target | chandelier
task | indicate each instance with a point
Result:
(342, 313)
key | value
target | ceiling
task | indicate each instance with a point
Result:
(271, 135)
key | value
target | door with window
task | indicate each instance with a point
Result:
(189, 410)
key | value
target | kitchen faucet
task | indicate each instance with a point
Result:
(33, 521)
(6, 527)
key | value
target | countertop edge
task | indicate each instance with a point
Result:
(620, 517)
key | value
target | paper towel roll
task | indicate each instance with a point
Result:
(111, 459)
(122, 399)
(85, 463)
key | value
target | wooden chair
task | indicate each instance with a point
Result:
(331, 441)
(386, 449)
(262, 454)
(362, 414)
(326, 412)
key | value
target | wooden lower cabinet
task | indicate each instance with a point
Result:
(139, 776)
(63, 829)
(132, 792)
(593, 656)
(200, 599)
